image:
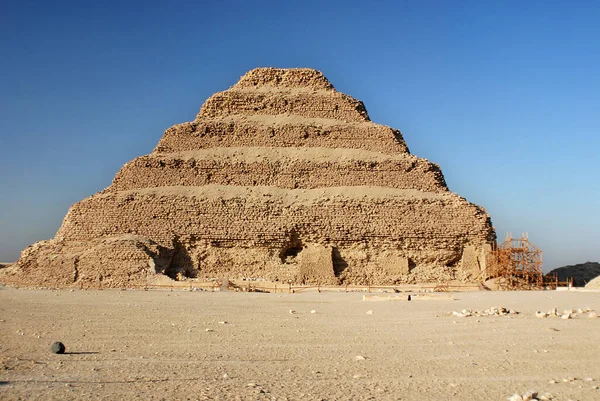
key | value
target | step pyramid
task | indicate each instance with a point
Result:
(280, 177)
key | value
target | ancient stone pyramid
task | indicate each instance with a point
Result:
(280, 177)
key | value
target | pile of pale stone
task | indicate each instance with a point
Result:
(567, 313)
(493, 311)
(531, 396)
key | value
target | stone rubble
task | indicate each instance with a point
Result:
(567, 313)
(531, 396)
(493, 311)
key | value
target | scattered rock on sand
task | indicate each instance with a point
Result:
(58, 348)
(541, 314)
(531, 396)
(567, 313)
(493, 311)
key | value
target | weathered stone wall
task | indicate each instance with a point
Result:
(264, 215)
(279, 177)
(284, 78)
(247, 229)
(272, 167)
(269, 91)
(305, 103)
(316, 264)
(280, 131)
(117, 261)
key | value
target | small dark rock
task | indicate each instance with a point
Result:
(58, 348)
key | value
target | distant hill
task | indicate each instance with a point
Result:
(581, 273)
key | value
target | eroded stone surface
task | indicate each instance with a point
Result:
(280, 177)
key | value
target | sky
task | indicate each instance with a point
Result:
(503, 95)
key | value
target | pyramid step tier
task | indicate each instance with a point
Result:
(303, 102)
(280, 131)
(281, 167)
(265, 217)
(284, 78)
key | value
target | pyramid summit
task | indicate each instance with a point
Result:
(279, 177)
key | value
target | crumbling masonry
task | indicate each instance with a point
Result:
(280, 177)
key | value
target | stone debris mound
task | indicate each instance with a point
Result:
(531, 396)
(493, 311)
(567, 313)
(280, 177)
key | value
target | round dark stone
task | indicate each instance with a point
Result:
(58, 348)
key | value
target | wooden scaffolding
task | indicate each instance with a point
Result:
(517, 264)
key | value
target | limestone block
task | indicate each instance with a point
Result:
(394, 265)
(316, 265)
(484, 254)
(469, 262)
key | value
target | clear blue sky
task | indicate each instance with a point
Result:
(504, 95)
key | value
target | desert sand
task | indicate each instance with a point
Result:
(163, 344)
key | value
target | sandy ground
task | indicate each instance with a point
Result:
(159, 344)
